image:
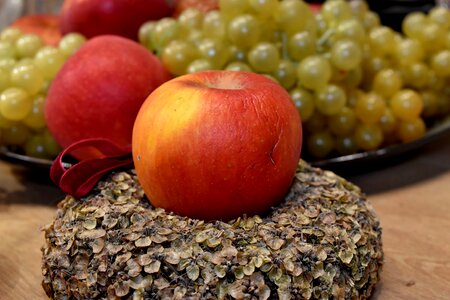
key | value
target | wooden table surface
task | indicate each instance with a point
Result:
(411, 198)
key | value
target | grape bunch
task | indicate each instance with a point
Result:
(27, 67)
(357, 84)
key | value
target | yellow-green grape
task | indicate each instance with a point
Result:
(314, 72)
(7, 50)
(7, 63)
(368, 136)
(145, 32)
(70, 43)
(200, 64)
(381, 40)
(371, 20)
(351, 29)
(44, 87)
(336, 11)
(435, 82)
(387, 82)
(15, 135)
(264, 57)
(190, 19)
(214, 50)
(440, 63)
(388, 122)
(330, 99)
(320, 144)
(345, 55)
(28, 44)
(411, 130)
(285, 73)
(413, 24)
(440, 15)
(27, 77)
(291, 16)
(244, 31)
(238, 66)
(353, 95)
(304, 102)
(214, 25)
(35, 147)
(233, 8)
(15, 104)
(374, 64)
(432, 36)
(353, 78)
(315, 123)
(301, 45)
(177, 55)
(359, 8)
(430, 101)
(406, 105)
(342, 123)
(369, 108)
(237, 54)
(52, 148)
(346, 145)
(4, 122)
(164, 31)
(49, 60)
(5, 82)
(10, 34)
(35, 119)
(416, 75)
(320, 24)
(408, 51)
(263, 8)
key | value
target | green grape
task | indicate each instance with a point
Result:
(27, 77)
(200, 64)
(238, 66)
(51, 147)
(7, 63)
(7, 50)
(45, 86)
(215, 51)
(291, 16)
(35, 119)
(330, 99)
(164, 31)
(406, 104)
(408, 51)
(430, 101)
(304, 102)
(440, 63)
(416, 75)
(345, 55)
(374, 64)
(368, 136)
(191, 19)
(194, 36)
(432, 36)
(314, 72)
(145, 32)
(244, 31)
(413, 23)
(10, 34)
(440, 15)
(369, 108)
(353, 95)
(315, 123)
(263, 8)
(346, 145)
(35, 147)
(371, 20)
(320, 24)
(233, 8)
(5, 123)
(15, 135)
(5, 82)
(411, 130)
(388, 122)
(342, 123)
(387, 82)
(320, 144)
(336, 11)
(70, 43)
(15, 104)
(351, 29)
(381, 40)
(177, 55)
(285, 73)
(237, 54)
(435, 82)
(301, 45)
(353, 78)
(49, 60)
(214, 25)
(359, 8)
(28, 44)
(264, 57)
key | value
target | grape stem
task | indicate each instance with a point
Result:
(324, 39)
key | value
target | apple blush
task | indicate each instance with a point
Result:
(217, 145)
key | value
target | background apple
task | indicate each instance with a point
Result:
(217, 144)
(99, 90)
(46, 26)
(118, 17)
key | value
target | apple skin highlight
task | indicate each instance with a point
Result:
(217, 144)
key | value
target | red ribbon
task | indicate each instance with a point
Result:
(80, 178)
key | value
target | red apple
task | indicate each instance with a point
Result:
(99, 90)
(217, 144)
(118, 17)
(46, 26)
